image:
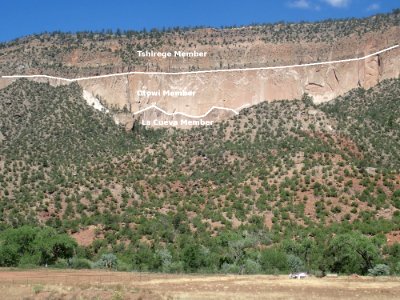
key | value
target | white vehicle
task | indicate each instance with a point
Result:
(298, 275)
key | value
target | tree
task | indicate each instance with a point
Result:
(393, 260)
(8, 255)
(273, 261)
(295, 263)
(144, 259)
(351, 253)
(191, 257)
(165, 258)
(308, 100)
(51, 246)
(31, 245)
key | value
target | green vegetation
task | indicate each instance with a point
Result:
(282, 187)
(33, 246)
(361, 114)
(379, 270)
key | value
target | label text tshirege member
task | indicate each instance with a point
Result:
(182, 54)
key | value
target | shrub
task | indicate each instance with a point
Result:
(165, 259)
(79, 263)
(123, 267)
(379, 270)
(107, 261)
(176, 267)
(396, 268)
(61, 264)
(230, 268)
(317, 273)
(37, 288)
(252, 267)
(29, 260)
(295, 263)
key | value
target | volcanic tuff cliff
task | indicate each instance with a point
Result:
(88, 54)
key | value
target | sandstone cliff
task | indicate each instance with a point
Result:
(229, 89)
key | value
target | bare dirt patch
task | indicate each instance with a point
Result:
(87, 284)
(393, 237)
(85, 237)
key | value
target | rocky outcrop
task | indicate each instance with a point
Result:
(235, 89)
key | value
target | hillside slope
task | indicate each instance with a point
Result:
(282, 176)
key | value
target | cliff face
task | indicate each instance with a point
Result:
(237, 89)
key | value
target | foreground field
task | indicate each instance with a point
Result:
(54, 284)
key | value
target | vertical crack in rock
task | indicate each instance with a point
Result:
(128, 94)
(337, 79)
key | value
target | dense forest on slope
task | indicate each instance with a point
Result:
(283, 186)
(48, 124)
(372, 120)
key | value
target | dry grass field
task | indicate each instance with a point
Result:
(55, 284)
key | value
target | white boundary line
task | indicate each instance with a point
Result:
(204, 71)
(236, 111)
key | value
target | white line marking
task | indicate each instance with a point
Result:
(201, 72)
(235, 111)
(204, 71)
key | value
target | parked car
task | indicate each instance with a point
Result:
(298, 275)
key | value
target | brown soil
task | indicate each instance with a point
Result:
(85, 237)
(393, 237)
(86, 284)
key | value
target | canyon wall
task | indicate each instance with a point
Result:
(238, 89)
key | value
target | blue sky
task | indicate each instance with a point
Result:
(22, 17)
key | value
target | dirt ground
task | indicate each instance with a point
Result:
(88, 284)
